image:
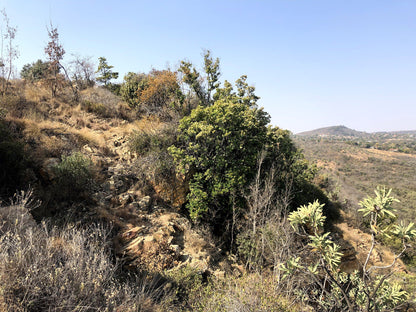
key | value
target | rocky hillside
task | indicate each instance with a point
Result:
(97, 160)
(151, 231)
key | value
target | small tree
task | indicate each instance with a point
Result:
(207, 88)
(82, 72)
(105, 72)
(8, 51)
(55, 53)
(132, 84)
(193, 79)
(212, 70)
(203, 88)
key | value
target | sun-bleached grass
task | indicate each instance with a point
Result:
(45, 268)
(91, 137)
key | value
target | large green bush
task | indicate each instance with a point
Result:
(218, 147)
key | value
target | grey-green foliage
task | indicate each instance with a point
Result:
(74, 175)
(365, 290)
(36, 71)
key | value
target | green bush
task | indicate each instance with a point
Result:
(131, 85)
(74, 176)
(218, 148)
(36, 71)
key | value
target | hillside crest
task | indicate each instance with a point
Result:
(343, 131)
(340, 131)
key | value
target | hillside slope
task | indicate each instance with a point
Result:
(354, 172)
(92, 162)
(333, 131)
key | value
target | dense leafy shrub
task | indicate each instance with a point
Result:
(218, 150)
(130, 87)
(36, 71)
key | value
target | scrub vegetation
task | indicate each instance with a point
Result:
(170, 191)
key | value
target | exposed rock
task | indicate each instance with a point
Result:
(125, 198)
(87, 149)
(145, 202)
(166, 241)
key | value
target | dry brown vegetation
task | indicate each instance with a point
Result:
(350, 172)
(46, 268)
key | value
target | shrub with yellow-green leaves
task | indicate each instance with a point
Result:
(366, 290)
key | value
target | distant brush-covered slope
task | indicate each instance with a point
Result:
(334, 131)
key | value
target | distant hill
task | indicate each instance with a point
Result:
(345, 132)
(334, 131)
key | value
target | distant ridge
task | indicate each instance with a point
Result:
(334, 131)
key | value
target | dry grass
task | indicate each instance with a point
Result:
(36, 93)
(144, 124)
(44, 268)
(91, 137)
(251, 292)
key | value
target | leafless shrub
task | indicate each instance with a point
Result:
(268, 239)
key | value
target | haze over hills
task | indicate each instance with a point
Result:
(343, 131)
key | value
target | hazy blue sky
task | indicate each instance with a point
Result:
(314, 63)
